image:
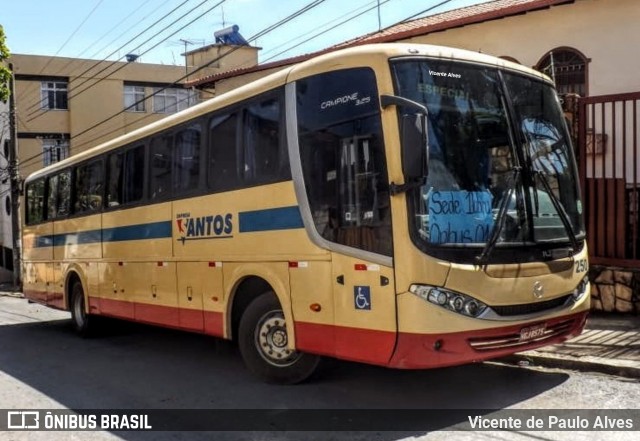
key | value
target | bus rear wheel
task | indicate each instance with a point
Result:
(263, 339)
(82, 322)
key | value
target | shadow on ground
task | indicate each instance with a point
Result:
(131, 366)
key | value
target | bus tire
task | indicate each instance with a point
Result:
(262, 340)
(82, 322)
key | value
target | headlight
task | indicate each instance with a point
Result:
(453, 301)
(581, 289)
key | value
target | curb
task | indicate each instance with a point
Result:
(572, 363)
(15, 294)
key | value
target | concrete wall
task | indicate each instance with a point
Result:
(228, 58)
(90, 101)
(93, 100)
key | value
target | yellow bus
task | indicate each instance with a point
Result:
(403, 205)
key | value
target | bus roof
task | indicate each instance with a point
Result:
(326, 62)
(392, 50)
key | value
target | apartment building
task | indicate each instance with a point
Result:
(67, 105)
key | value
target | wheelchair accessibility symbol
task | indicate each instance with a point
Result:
(362, 297)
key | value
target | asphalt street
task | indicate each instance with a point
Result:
(44, 365)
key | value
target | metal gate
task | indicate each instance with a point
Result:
(609, 163)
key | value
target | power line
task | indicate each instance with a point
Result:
(327, 30)
(411, 17)
(113, 29)
(117, 129)
(38, 155)
(79, 26)
(145, 42)
(252, 38)
(258, 35)
(40, 101)
(36, 105)
(71, 36)
(265, 31)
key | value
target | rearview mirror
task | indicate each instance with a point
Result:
(414, 137)
(414, 146)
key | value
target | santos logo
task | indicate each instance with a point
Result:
(204, 227)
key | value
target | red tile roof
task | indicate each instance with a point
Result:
(478, 13)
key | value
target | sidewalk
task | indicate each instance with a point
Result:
(610, 344)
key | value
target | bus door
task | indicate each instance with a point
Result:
(364, 289)
(344, 167)
(365, 310)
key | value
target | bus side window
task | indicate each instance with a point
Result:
(223, 145)
(161, 159)
(125, 176)
(133, 175)
(186, 170)
(52, 197)
(261, 141)
(59, 195)
(88, 188)
(64, 193)
(343, 159)
(35, 202)
(114, 179)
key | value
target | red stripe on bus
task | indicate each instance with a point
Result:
(36, 296)
(157, 314)
(112, 308)
(214, 323)
(56, 300)
(208, 322)
(355, 344)
(418, 351)
(52, 299)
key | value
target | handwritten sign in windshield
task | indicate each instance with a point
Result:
(460, 216)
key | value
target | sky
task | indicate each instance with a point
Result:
(109, 29)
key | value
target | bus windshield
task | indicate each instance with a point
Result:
(501, 166)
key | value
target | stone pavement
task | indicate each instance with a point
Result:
(609, 344)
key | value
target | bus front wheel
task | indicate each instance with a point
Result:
(81, 320)
(263, 339)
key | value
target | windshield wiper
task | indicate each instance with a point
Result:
(501, 216)
(564, 217)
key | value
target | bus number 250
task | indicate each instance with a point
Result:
(581, 265)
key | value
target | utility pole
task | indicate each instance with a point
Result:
(15, 184)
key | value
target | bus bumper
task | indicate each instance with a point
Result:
(418, 351)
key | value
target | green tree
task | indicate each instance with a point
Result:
(5, 73)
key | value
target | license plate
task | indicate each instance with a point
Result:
(532, 332)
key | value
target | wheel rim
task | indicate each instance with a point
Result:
(271, 340)
(78, 310)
